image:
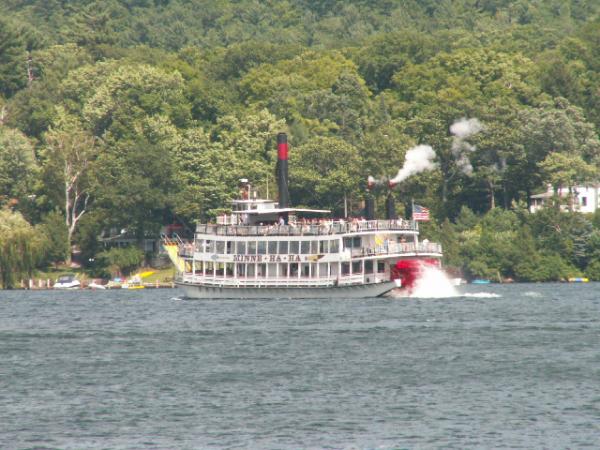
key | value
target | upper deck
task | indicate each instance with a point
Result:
(320, 228)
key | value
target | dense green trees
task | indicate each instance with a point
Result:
(133, 114)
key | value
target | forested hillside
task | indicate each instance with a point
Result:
(137, 113)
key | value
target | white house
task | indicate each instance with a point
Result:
(586, 198)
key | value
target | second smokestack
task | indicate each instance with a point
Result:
(282, 170)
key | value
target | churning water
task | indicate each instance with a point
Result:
(433, 283)
(498, 366)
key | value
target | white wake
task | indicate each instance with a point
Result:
(433, 283)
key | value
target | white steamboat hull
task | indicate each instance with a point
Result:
(354, 291)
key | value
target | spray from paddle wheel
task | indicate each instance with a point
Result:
(423, 278)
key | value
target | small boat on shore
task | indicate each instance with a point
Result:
(67, 281)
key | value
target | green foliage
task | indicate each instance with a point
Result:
(157, 108)
(21, 248)
(121, 260)
(324, 171)
(56, 238)
(18, 165)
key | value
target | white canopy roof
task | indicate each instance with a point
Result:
(282, 210)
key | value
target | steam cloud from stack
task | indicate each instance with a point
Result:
(463, 129)
(417, 159)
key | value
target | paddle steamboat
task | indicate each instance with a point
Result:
(267, 249)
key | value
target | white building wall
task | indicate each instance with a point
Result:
(586, 198)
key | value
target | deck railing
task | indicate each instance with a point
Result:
(187, 249)
(308, 229)
(272, 282)
(398, 248)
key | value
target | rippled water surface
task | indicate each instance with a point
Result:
(502, 366)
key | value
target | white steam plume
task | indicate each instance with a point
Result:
(417, 160)
(462, 129)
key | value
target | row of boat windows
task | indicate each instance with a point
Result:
(267, 247)
(287, 270)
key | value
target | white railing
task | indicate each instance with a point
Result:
(398, 248)
(323, 227)
(271, 282)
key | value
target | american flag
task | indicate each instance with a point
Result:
(420, 213)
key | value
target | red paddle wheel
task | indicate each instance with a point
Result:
(409, 270)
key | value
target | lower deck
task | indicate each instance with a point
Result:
(291, 292)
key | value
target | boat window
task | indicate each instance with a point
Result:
(283, 247)
(271, 270)
(294, 247)
(356, 267)
(210, 246)
(305, 247)
(241, 248)
(272, 247)
(229, 269)
(229, 247)
(250, 270)
(199, 266)
(261, 270)
(240, 269)
(220, 269)
(334, 246)
(347, 242)
(305, 269)
(380, 267)
(262, 248)
(200, 245)
(356, 243)
(283, 270)
(293, 269)
(314, 247)
(251, 247)
(220, 247)
(208, 268)
(323, 272)
(323, 246)
(345, 268)
(369, 266)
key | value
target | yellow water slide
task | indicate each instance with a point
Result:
(172, 248)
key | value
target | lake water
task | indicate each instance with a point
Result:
(502, 366)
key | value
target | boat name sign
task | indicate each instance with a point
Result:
(275, 258)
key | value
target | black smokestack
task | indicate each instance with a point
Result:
(390, 207)
(282, 170)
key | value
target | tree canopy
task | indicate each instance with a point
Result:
(133, 114)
